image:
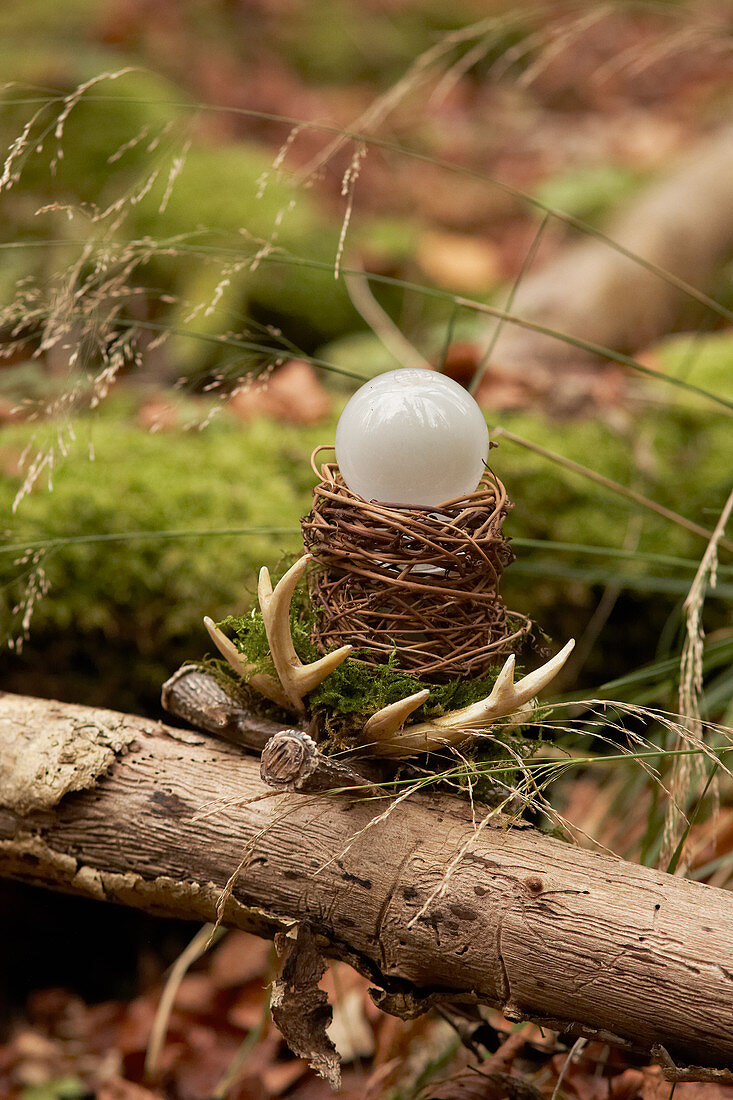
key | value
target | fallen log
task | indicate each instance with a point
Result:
(102, 804)
(682, 224)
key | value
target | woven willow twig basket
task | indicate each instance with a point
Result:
(419, 585)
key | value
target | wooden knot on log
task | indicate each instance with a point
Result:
(291, 761)
(289, 757)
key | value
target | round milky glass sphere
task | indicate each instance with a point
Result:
(412, 437)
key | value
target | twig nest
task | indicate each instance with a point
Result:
(416, 585)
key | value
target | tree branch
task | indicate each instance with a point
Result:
(102, 804)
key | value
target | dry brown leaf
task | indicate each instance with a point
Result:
(117, 1088)
(159, 416)
(9, 411)
(239, 959)
(207, 1057)
(196, 994)
(250, 1087)
(452, 201)
(458, 261)
(627, 1085)
(380, 1078)
(281, 1076)
(247, 1010)
(292, 394)
(136, 1025)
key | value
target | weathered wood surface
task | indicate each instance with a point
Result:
(101, 803)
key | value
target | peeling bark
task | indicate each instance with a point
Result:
(582, 942)
(300, 1009)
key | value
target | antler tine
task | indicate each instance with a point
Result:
(260, 681)
(388, 720)
(506, 698)
(296, 678)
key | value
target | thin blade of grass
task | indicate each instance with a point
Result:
(677, 854)
(635, 581)
(501, 315)
(196, 948)
(131, 536)
(610, 484)
(357, 136)
(526, 265)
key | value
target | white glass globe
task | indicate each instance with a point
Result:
(412, 437)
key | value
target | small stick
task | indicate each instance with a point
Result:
(198, 698)
(677, 1074)
(291, 761)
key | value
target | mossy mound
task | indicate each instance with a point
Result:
(125, 600)
(129, 146)
(121, 614)
(354, 690)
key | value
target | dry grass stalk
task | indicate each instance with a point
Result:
(687, 771)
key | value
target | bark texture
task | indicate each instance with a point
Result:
(101, 804)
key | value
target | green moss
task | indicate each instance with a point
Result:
(123, 614)
(222, 190)
(589, 192)
(705, 360)
(113, 112)
(139, 601)
(682, 470)
(354, 691)
(354, 688)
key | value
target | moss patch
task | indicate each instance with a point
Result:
(354, 688)
(354, 691)
(120, 615)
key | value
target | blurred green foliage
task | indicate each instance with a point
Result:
(130, 169)
(23, 19)
(589, 192)
(329, 41)
(703, 358)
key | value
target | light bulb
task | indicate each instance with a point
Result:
(412, 437)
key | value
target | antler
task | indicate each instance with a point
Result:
(392, 718)
(506, 698)
(260, 681)
(296, 678)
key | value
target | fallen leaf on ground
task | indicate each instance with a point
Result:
(459, 261)
(239, 959)
(292, 394)
(117, 1088)
(159, 416)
